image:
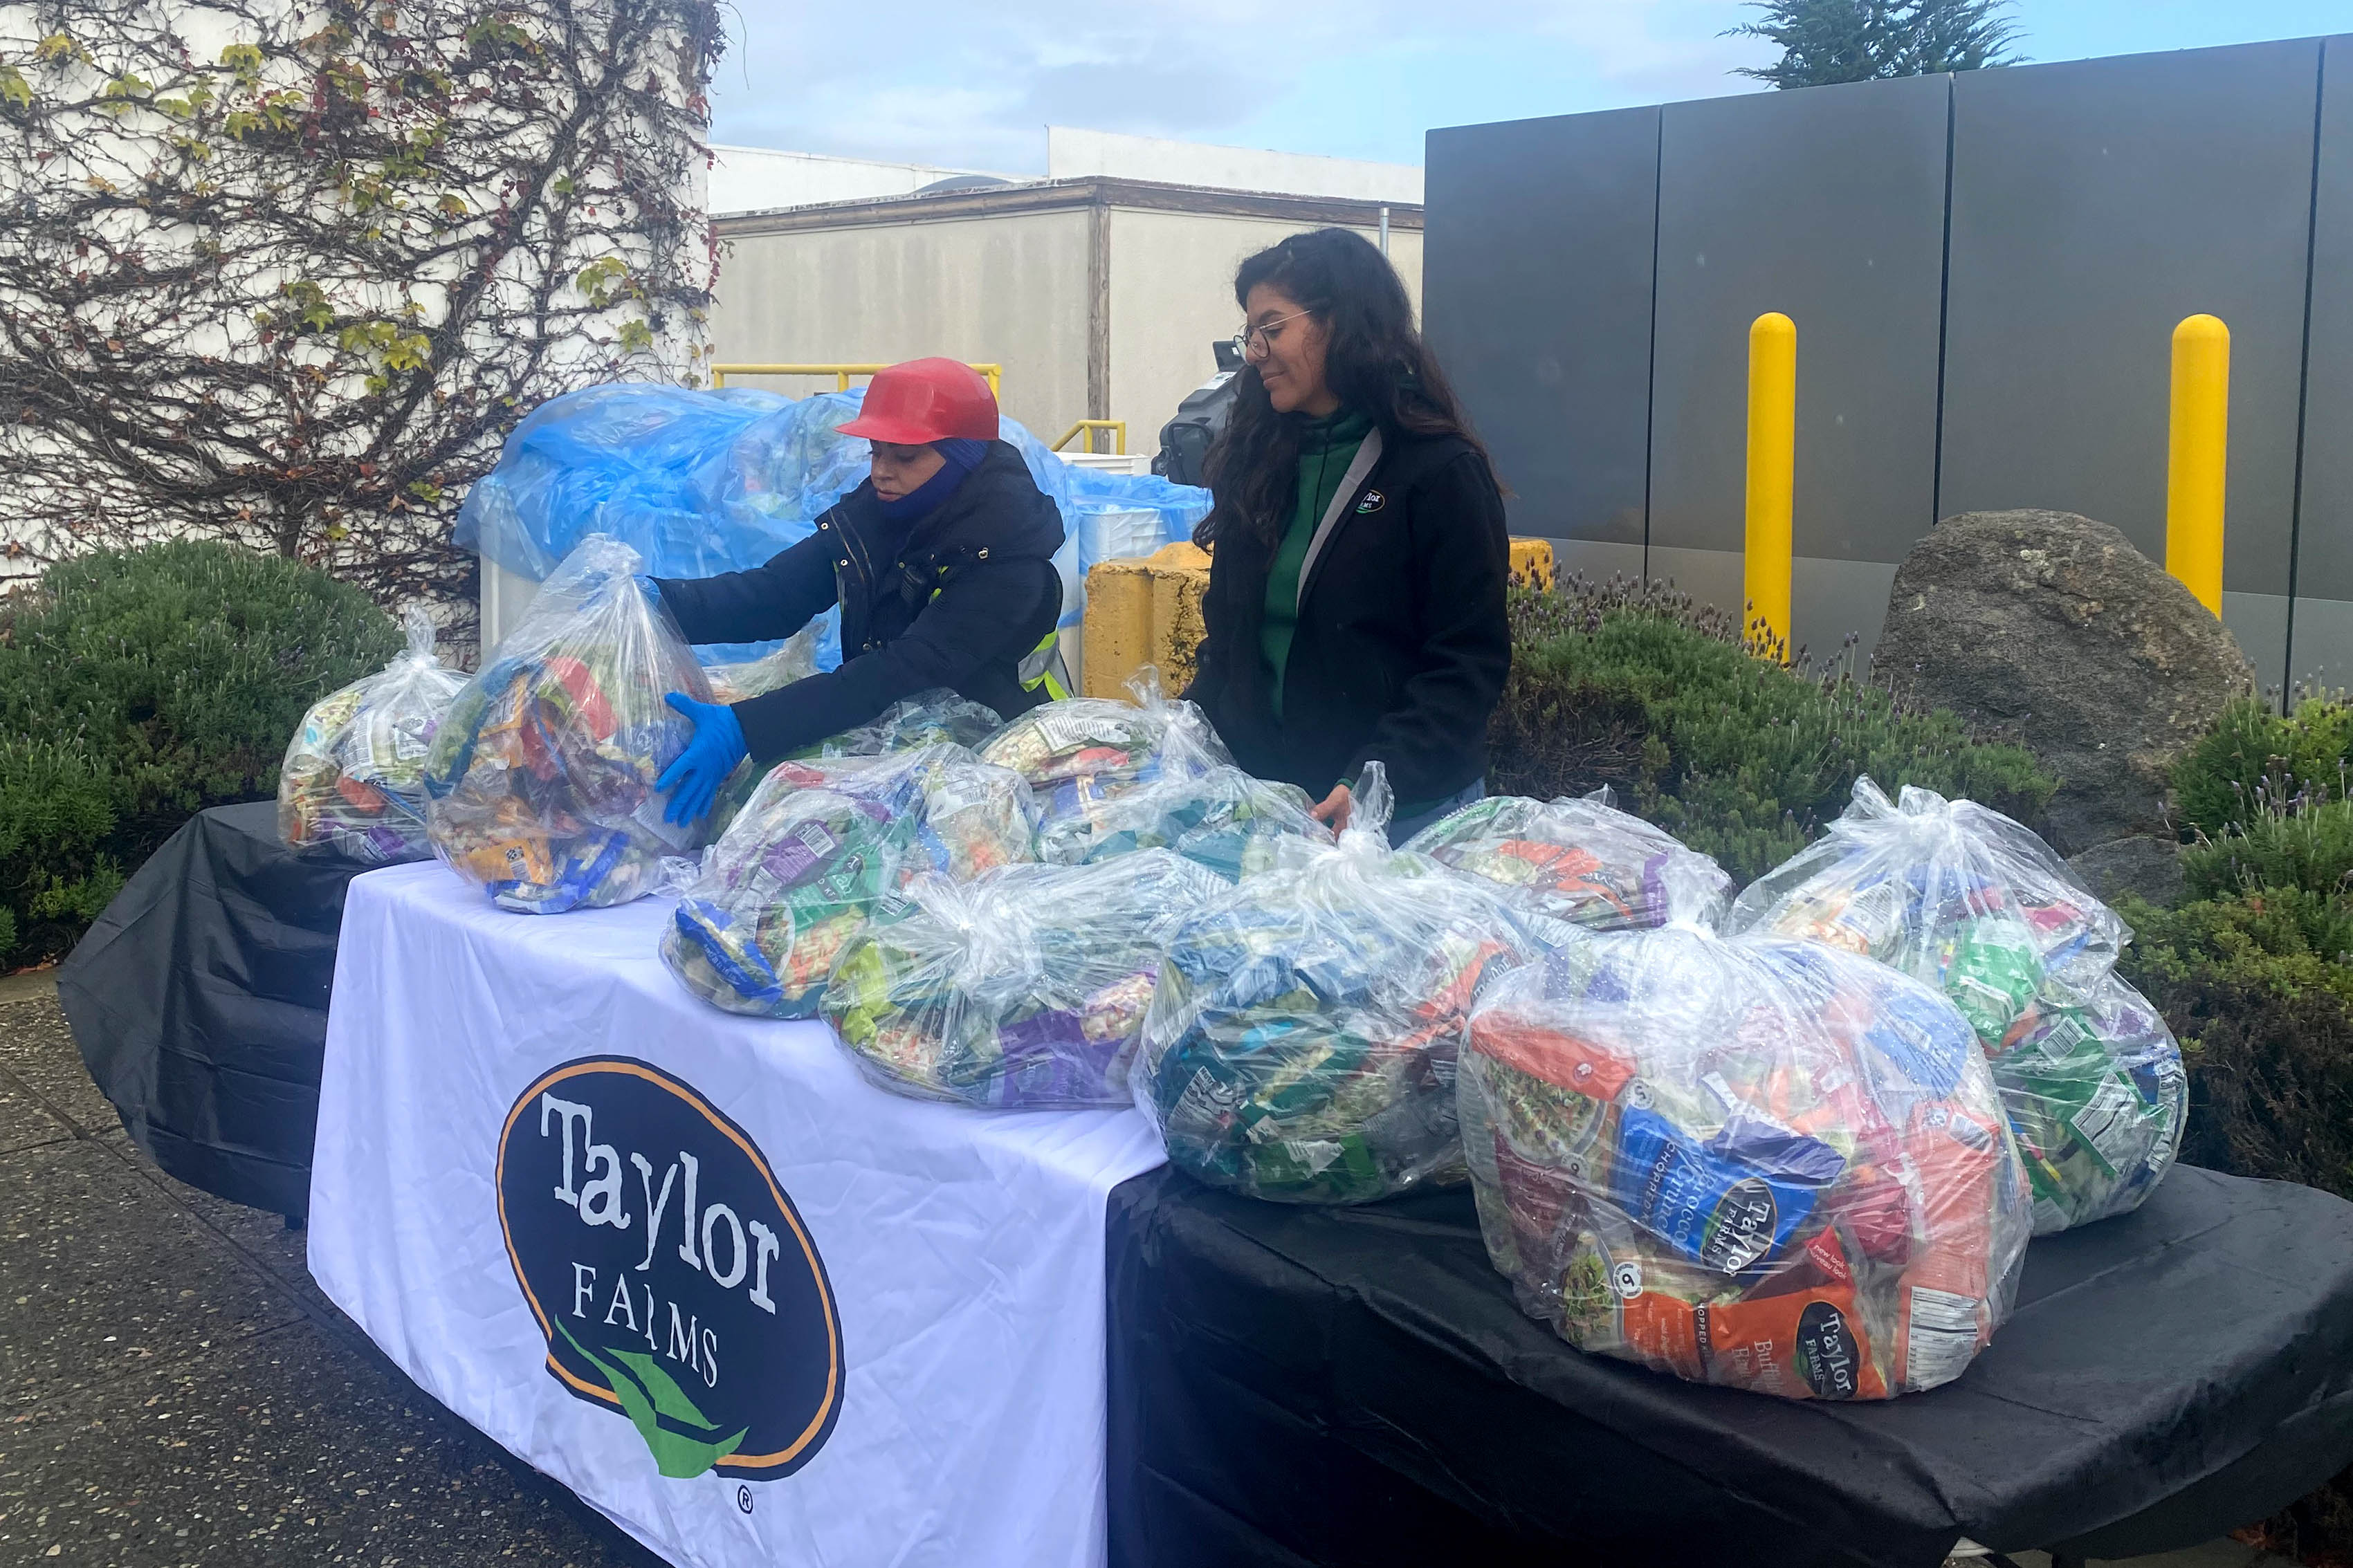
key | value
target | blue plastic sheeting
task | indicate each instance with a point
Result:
(703, 482)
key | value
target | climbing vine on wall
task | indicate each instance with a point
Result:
(288, 274)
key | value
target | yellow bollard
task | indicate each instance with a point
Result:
(1772, 484)
(2197, 460)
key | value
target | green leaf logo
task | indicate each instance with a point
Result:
(652, 1396)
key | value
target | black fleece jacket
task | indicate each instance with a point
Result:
(955, 599)
(1401, 648)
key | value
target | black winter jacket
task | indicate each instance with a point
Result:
(1401, 648)
(956, 599)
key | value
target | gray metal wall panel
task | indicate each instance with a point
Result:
(1536, 297)
(1828, 205)
(2324, 637)
(2096, 205)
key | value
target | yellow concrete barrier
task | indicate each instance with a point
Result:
(1531, 562)
(1143, 612)
(2197, 467)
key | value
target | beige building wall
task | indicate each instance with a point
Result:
(1172, 282)
(1009, 290)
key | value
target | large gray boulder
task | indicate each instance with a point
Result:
(2054, 626)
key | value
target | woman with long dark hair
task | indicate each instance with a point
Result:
(1355, 603)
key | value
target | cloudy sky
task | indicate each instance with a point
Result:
(973, 85)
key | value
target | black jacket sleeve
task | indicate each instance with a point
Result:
(767, 602)
(979, 607)
(1461, 559)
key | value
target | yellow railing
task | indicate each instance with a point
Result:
(841, 373)
(1118, 428)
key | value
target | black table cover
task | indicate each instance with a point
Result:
(199, 1000)
(1355, 1387)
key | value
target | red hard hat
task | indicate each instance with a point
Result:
(927, 400)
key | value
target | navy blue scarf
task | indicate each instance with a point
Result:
(962, 456)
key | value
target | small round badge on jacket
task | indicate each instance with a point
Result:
(1374, 500)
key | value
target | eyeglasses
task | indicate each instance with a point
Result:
(1252, 340)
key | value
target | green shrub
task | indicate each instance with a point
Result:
(1639, 689)
(139, 687)
(2216, 783)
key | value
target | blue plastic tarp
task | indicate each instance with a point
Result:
(703, 482)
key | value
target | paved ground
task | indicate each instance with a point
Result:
(175, 1390)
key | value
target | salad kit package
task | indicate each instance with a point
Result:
(1967, 901)
(542, 775)
(1083, 751)
(1220, 816)
(1754, 1162)
(1301, 1043)
(1580, 862)
(820, 846)
(1023, 989)
(354, 779)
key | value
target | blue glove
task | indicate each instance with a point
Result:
(694, 779)
(649, 588)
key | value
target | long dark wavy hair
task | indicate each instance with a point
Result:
(1373, 359)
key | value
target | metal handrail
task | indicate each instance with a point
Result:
(841, 373)
(1118, 428)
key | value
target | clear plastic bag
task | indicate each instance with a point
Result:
(354, 778)
(819, 848)
(935, 717)
(1024, 989)
(1753, 1162)
(542, 776)
(740, 682)
(1221, 817)
(1301, 1041)
(1083, 751)
(1580, 862)
(1964, 899)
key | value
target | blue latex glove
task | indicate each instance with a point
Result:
(693, 781)
(649, 588)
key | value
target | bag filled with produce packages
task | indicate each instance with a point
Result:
(1755, 1162)
(542, 776)
(1220, 816)
(934, 718)
(1023, 989)
(818, 846)
(1301, 1040)
(1966, 899)
(1581, 862)
(1083, 751)
(354, 779)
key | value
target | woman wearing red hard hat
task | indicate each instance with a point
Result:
(943, 563)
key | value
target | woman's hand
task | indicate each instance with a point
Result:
(1334, 809)
(693, 781)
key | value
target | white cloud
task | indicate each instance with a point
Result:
(973, 86)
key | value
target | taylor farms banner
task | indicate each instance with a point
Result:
(693, 1265)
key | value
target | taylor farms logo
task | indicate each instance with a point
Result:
(671, 1275)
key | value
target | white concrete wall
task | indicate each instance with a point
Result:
(1073, 154)
(1010, 290)
(1172, 296)
(755, 179)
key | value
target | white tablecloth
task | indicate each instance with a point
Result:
(964, 1249)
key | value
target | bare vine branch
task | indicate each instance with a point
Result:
(288, 274)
